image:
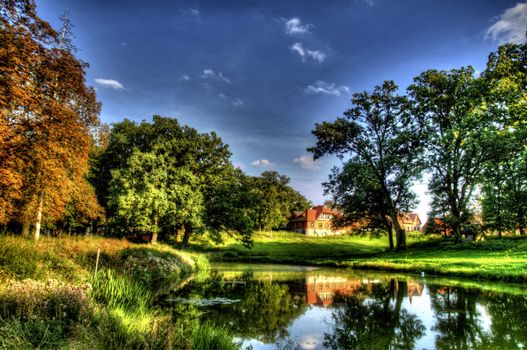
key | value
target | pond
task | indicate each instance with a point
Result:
(289, 307)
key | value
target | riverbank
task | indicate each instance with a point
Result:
(492, 259)
(51, 298)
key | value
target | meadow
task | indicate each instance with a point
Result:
(492, 258)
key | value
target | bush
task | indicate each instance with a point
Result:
(156, 268)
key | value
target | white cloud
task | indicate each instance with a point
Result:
(211, 74)
(263, 163)
(184, 78)
(222, 96)
(190, 11)
(237, 103)
(307, 162)
(294, 26)
(304, 53)
(510, 26)
(110, 83)
(322, 87)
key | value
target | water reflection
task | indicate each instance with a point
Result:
(284, 307)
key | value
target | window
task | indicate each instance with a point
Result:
(327, 226)
(320, 225)
(312, 224)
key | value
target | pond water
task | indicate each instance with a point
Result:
(288, 307)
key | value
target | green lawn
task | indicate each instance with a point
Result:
(291, 247)
(495, 259)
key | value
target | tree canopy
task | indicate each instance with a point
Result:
(383, 142)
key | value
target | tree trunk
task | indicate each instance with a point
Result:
(25, 229)
(390, 235)
(400, 235)
(153, 239)
(186, 236)
(39, 216)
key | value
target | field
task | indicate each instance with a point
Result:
(494, 259)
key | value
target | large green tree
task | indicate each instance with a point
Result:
(383, 142)
(505, 174)
(162, 177)
(272, 200)
(449, 104)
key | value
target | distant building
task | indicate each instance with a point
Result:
(317, 221)
(409, 222)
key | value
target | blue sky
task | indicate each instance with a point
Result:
(262, 73)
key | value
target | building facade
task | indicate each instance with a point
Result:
(317, 221)
(410, 222)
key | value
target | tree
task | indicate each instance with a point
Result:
(383, 141)
(162, 177)
(273, 200)
(449, 105)
(505, 172)
(47, 113)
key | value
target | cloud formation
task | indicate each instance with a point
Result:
(211, 74)
(307, 162)
(322, 87)
(262, 163)
(190, 12)
(510, 26)
(110, 83)
(304, 53)
(294, 26)
(238, 102)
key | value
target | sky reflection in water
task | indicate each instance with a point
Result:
(296, 308)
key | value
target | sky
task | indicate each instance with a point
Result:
(262, 73)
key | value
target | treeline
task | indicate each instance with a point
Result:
(62, 170)
(466, 130)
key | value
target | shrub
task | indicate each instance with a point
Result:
(156, 268)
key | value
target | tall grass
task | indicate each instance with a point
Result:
(65, 306)
(117, 290)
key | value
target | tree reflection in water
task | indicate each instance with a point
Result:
(341, 310)
(372, 318)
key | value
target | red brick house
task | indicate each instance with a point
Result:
(316, 221)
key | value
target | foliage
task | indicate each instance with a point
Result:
(47, 112)
(273, 200)
(162, 177)
(448, 103)
(505, 176)
(383, 141)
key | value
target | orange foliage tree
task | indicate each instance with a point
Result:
(47, 114)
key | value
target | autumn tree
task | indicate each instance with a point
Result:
(382, 143)
(48, 111)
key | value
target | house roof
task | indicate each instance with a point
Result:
(312, 214)
(409, 218)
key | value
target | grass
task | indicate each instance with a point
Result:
(50, 297)
(292, 248)
(493, 259)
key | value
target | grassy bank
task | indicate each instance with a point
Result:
(50, 297)
(493, 259)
